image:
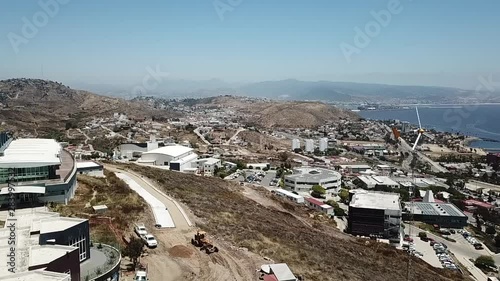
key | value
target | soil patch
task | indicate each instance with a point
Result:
(180, 251)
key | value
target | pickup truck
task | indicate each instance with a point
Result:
(149, 240)
(140, 229)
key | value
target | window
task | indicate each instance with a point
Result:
(82, 247)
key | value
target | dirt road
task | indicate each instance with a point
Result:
(176, 259)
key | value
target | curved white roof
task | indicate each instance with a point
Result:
(171, 150)
(23, 153)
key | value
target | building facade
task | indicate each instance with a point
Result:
(374, 214)
(176, 157)
(40, 169)
(304, 178)
(323, 144)
(295, 144)
(309, 146)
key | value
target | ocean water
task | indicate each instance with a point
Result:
(481, 121)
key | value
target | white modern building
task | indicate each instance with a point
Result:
(90, 168)
(370, 182)
(135, 150)
(303, 179)
(41, 170)
(323, 144)
(309, 145)
(295, 144)
(289, 195)
(176, 157)
(207, 166)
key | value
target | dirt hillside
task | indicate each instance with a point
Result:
(313, 249)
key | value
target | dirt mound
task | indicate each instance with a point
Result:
(180, 251)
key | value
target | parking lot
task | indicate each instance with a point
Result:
(428, 254)
(258, 177)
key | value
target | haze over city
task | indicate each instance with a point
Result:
(440, 43)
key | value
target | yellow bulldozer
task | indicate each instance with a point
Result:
(200, 240)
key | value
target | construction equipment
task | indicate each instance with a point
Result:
(200, 240)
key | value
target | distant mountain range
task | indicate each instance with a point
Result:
(291, 89)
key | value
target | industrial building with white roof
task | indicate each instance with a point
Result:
(176, 157)
(370, 182)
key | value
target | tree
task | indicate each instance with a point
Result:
(344, 195)
(478, 221)
(283, 156)
(484, 261)
(332, 203)
(134, 250)
(490, 230)
(240, 165)
(497, 240)
(339, 212)
(318, 191)
(422, 234)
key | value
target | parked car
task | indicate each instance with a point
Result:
(141, 275)
(140, 229)
(478, 246)
(149, 240)
(408, 239)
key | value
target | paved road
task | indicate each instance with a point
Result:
(197, 132)
(234, 136)
(435, 166)
(85, 135)
(462, 250)
(178, 215)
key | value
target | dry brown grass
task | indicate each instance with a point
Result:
(313, 249)
(124, 205)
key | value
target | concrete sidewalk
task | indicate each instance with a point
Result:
(178, 215)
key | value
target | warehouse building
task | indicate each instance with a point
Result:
(370, 182)
(176, 157)
(445, 215)
(41, 170)
(374, 213)
(304, 178)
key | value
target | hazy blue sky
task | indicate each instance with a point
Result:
(429, 42)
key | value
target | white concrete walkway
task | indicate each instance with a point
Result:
(161, 214)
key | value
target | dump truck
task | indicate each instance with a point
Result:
(200, 240)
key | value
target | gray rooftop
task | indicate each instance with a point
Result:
(313, 174)
(434, 209)
(375, 200)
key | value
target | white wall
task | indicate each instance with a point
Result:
(93, 173)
